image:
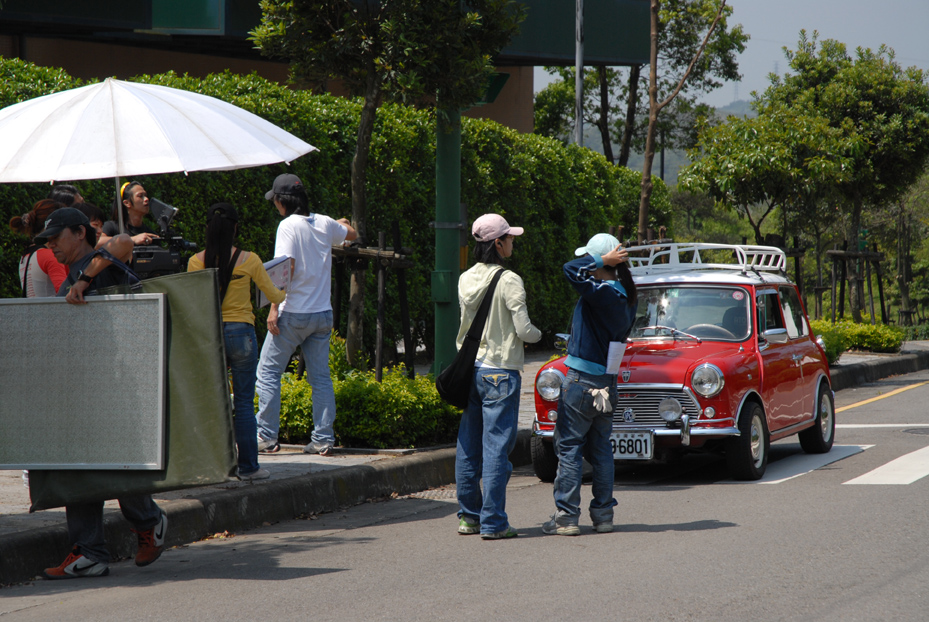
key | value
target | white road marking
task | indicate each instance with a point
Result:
(904, 470)
(851, 426)
(800, 464)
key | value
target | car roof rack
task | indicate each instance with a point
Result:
(670, 258)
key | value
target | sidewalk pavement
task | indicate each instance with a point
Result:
(304, 484)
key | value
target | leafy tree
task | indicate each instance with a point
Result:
(612, 101)
(882, 111)
(391, 49)
(782, 158)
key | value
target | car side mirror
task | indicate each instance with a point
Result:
(561, 340)
(776, 335)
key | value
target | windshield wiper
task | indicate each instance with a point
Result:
(674, 332)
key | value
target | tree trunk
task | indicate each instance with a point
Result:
(354, 338)
(604, 121)
(903, 263)
(631, 104)
(646, 192)
(854, 301)
(654, 107)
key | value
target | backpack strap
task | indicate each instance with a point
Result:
(224, 288)
(32, 250)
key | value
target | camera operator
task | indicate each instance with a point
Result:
(133, 202)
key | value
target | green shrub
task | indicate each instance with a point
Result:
(847, 335)
(916, 333)
(833, 336)
(397, 412)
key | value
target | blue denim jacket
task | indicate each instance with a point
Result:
(602, 315)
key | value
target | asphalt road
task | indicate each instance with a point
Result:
(841, 537)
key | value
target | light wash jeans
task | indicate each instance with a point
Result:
(310, 332)
(580, 424)
(242, 359)
(486, 436)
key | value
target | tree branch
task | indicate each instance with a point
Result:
(696, 57)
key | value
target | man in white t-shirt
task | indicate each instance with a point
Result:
(304, 319)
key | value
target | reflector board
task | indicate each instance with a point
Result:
(82, 386)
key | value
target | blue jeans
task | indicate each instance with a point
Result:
(310, 332)
(486, 436)
(580, 424)
(242, 359)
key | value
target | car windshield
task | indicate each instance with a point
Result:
(705, 313)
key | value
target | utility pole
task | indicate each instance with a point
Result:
(447, 238)
(579, 74)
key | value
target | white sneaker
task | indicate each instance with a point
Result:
(264, 444)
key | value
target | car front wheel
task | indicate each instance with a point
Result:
(544, 459)
(747, 454)
(819, 438)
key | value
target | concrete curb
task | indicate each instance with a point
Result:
(25, 554)
(844, 377)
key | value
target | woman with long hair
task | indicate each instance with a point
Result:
(487, 433)
(237, 269)
(40, 274)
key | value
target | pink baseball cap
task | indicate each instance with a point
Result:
(492, 226)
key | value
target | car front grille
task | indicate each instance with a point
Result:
(642, 404)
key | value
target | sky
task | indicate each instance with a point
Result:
(772, 24)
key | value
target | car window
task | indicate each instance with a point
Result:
(720, 313)
(769, 312)
(793, 313)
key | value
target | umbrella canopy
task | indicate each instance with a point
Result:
(119, 129)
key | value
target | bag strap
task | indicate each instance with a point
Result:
(130, 273)
(477, 325)
(235, 258)
(32, 250)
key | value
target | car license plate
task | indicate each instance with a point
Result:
(632, 445)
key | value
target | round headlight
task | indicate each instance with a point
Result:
(707, 380)
(548, 384)
(670, 409)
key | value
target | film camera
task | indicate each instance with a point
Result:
(159, 260)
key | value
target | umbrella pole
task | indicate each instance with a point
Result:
(119, 208)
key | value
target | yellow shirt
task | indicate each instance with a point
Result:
(237, 305)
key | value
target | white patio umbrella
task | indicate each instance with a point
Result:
(118, 129)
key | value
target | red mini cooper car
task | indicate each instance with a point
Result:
(720, 358)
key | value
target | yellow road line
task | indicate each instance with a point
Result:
(880, 397)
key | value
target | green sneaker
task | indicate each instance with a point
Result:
(509, 532)
(605, 527)
(466, 527)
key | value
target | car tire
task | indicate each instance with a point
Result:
(819, 438)
(544, 459)
(747, 454)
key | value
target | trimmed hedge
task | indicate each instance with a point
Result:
(847, 335)
(397, 412)
(561, 195)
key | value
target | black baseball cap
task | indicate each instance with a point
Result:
(60, 220)
(286, 183)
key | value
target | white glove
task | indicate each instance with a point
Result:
(601, 399)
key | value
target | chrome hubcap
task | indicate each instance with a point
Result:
(757, 441)
(825, 418)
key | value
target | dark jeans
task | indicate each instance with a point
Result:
(85, 523)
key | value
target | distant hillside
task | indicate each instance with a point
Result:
(674, 160)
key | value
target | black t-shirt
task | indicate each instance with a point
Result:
(111, 228)
(111, 275)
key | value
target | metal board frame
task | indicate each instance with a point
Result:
(83, 387)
